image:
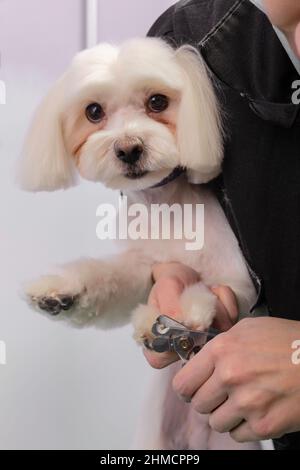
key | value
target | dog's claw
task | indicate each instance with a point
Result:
(55, 304)
(67, 301)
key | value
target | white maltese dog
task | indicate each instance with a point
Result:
(141, 118)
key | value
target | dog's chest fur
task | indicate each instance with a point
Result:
(220, 260)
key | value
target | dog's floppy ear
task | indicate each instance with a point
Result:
(199, 125)
(46, 165)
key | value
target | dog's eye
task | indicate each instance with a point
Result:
(157, 103)
(94, 112)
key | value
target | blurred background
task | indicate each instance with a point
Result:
(61, 388)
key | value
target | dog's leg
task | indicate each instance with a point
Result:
(101, 292)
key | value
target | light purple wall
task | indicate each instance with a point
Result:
(121, 19)
(45, 34)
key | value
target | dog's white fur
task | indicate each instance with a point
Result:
(62, 142)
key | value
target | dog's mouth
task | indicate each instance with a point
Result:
(135, 174)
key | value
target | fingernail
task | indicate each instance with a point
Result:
(184, 398)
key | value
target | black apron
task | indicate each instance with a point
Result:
(259, 188)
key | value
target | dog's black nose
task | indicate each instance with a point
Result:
(129, 154)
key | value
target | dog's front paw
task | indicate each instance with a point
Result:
(198, 309)
(53, 295)
(55, 303)
(143, 318)
(198, 306)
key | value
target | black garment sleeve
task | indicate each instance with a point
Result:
(188, 22)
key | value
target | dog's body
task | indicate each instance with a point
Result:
(163, 115)
(106, 291)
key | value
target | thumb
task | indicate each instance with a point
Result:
(227, 308)
(165, 296)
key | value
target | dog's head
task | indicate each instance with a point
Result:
(126, 116)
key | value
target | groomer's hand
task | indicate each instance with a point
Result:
(247, 379)
(170, 281)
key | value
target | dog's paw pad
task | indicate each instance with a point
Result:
(55, 304)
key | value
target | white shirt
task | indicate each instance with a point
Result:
(283, 39)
